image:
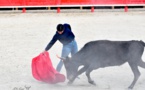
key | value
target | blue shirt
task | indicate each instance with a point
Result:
(66, 37)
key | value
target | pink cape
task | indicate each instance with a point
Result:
(43, 70)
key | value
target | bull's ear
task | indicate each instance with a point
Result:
(62, 58)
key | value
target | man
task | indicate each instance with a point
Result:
(67, 38)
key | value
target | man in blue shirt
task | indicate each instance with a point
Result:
(67, 38)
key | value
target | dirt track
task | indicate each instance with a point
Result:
(25, 35)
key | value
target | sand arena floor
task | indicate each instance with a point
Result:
(25, 35)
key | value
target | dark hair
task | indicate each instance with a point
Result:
(60, 27)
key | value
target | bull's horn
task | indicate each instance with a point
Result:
(62, 58)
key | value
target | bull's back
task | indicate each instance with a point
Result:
(109, 53)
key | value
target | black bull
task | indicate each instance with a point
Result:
(104, 53)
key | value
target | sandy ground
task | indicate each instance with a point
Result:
(25, 35)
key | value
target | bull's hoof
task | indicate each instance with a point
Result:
(92, 82)
(130, 88)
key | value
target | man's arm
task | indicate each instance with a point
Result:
(51, 43)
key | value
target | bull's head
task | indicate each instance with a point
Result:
(71, 70)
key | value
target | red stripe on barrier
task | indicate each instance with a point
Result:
(66, 2)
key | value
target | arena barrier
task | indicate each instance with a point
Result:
(69, 3)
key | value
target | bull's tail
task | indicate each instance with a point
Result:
(143, 43)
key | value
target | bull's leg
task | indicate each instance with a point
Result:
(141, 64)
(82, 70)
(136, 73)
(88, 76)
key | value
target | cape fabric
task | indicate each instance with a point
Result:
(43, 70)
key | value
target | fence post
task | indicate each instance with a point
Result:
(126, 9)
(113, 7)
(92, 9)
(17, 8)
(81, 7)
(24, 10)
(49, 8)
(58, 9)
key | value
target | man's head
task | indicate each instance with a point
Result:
(60, 28)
